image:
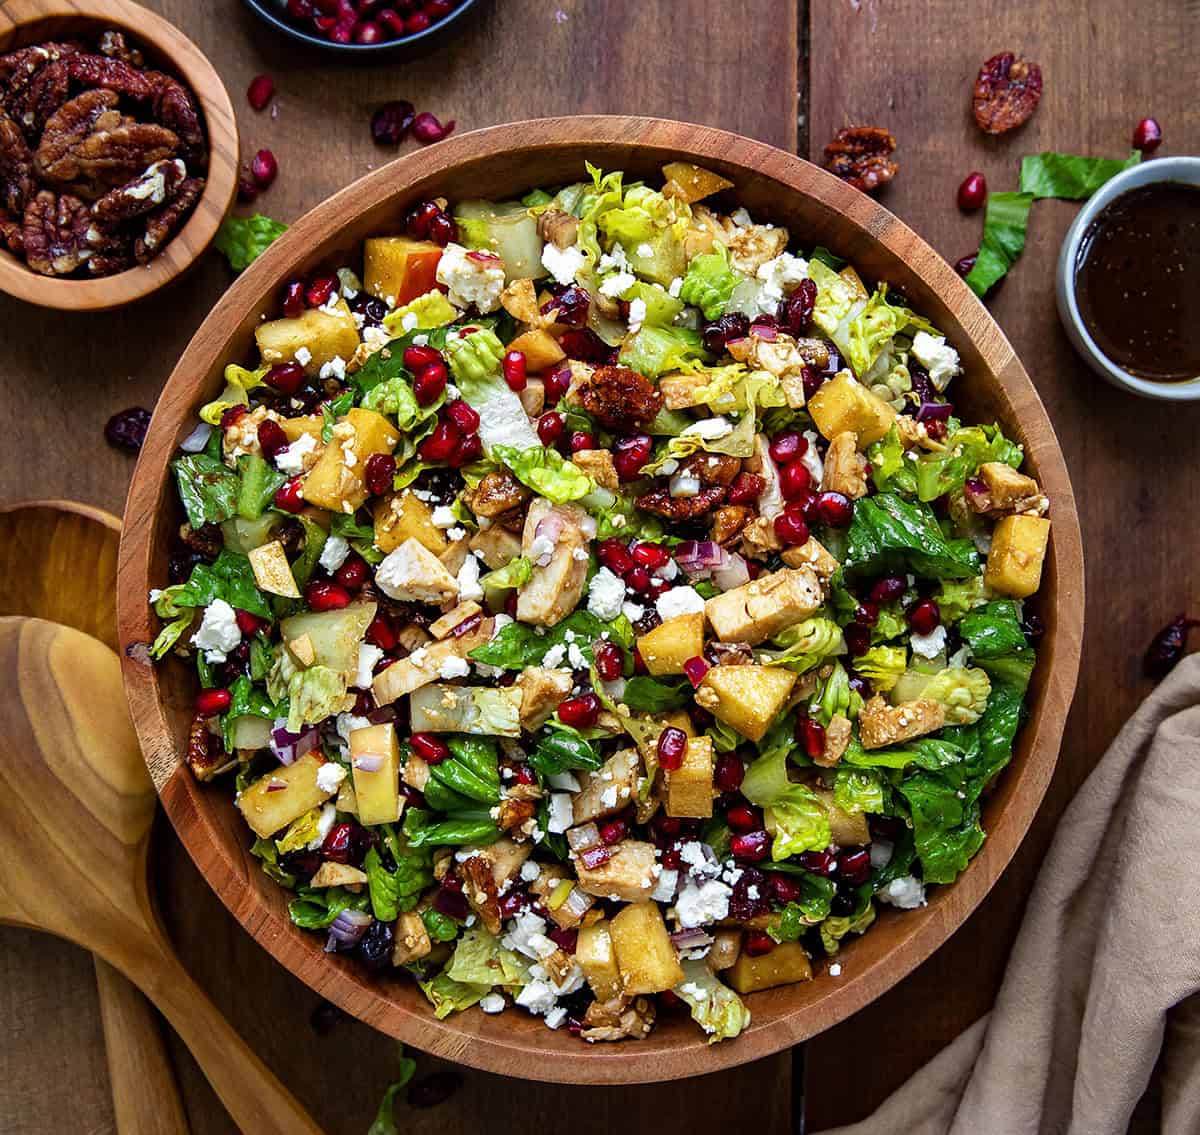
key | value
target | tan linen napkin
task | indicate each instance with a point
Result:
(1104, 974)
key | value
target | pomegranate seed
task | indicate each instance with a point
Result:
(320, 290)
(556, 384)
(392, 20)
(432, 750)
(788, 447)
(353, 574)
(325, 596)
(289, 496)
(610, 660)
(441, 443)
(794, 479)
(724, 330)
(743, 818)
(595, 857)
(414, 25)
(746, 488)
(888, 589)
(791, 529)
(666, 826)
(452, 903)
(439, 10)
(416, 223)
(867, 614)
(854, 867)
(581, 440)
(728, 774)
(614, 555)
(271, 438)
(651, 556)
(1167, 646)
(247, 623)
(584, 345)
(672, 745)
(1147, 136)
(526, 775)
(924, 617)
(695, 669)
(211, 702)
(550, 429)
(858, 639)
(822, 863)
(469, 449)
(630, 454)
(580, 712)
(835, 509)
(230, 417)
(430, 383)
(259, 93)
(300, 9)
(811, 734)
(753, 847)
(513, 365)
(379, 472)
(381, 633)
(757, 943)
(964, 264)
(426, 127)
(287, 378)
(293, 300)
(368, 32)
(390, 123)
(637, 578)
(443, 229)
(418, 358)
(461, 414)
(812, 379)
(343, 31)
(614, 831)
(972, 194)
(264, 168)
(785, 889)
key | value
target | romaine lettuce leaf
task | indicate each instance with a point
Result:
(891, 471)
(834, 929)
(313, 695)
(207, 487)
(858, 790)
(315, 908)
(546, 471)
(882, 666)
(944, 471)
(794, 813)
(561, 748)
(1070, 176)
(871, 332)
(805, 645)
(242, 240)
(889, 535)
(946, 827)
(519, 645)
(654, 351)
(479, 959)
(716, 1008)
(709, 281)
(652, 695)
(1004, 223)
(836, 297)
(812, 906)
(449, 996)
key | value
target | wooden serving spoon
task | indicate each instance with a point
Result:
(76, 805)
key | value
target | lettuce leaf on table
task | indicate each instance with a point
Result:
(242, 240)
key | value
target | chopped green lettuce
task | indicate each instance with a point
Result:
(476, 370)
(265, 851)
(449, 996)
(858, 790)
(519, 645)
(963, 691)
(562, 748)
(890, 535)
(956, 597)
(805, 645)
(313, 695)
(870, 334)
(242, 240)
(794, 814)
(834, 929)
(432, 310)
(813, 905)
(709, 282)
(716, 1008)
(945, 471)
(479, 959)
(1004, 223)
(546, 471)
(1070, 176)
(882, 666)
(654, 351)
(836, 297)
(207, 487)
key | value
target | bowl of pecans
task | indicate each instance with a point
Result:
(118, 152)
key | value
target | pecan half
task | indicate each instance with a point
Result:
(46, 91)
(154, 186)
(113, 44)
(98, 71)
(661, 503)
(54, 233)
(12, 234)
(1007, 91)
(162, 224)
(19, 69)
(862, 156)
(206, 755)
(111, 249)
(18, 182)
(618, 397)
(497, 492)
(175, 109)
(712, 468)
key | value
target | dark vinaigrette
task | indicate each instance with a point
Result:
(1138, 281)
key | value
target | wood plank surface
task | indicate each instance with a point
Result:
(1106, 64)
(734, 66)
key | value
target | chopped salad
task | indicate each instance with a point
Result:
(598, 605)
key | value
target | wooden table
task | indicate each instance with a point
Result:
(786, 73)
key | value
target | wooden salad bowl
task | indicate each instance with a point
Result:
(23, 22)
(498, 162)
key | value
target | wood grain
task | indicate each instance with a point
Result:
(1106, 65)
(34, 21)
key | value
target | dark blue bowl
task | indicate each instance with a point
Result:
(272, 12)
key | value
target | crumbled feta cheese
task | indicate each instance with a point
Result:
(684, 485)
(455, 534)
(937, 357)
(422, 341)
(576, 657)
(740, 217)
(609, 797)
(530, 871)
(542, 946)
(606, 593)
(668, 571)
(471, 279)
(522, 928)
(632, 611)
(541, 550)
(700, 905)
(564, 781)
(563, 263)
(907, 893)
(334, 553)
(561, 813)
(645, 250)
(668, 880)
(409, 321)
(555, 1017)
(835, 970)
(697, 856)
(329, 776)
(709, 429)
(303, 356)
(155, 594)
(335, 368)
(492, 1003)
(453, 667)
(368, 657)
(679, 601)
(347, 723)
(637, 314)
(554, 656)
(468, 580)
(218, 633)
(418, 656)
(617, 283)
(676, 286)
(538, 997)
(324, 820)
(617, 259)
(290, 459)
(579, 555)
(777, 277)
(929, 645)
(881, 852)
(443, 517)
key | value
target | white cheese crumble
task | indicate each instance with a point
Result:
(563, 263)
(468, 580)
(290, 459)
(617, 283)
(835, 970)
(453, 667)
(709, 429)
(700, 905)
(443, 517)
(881, 852)
(334, 553)
(929, 645)
(554, 656)
(679, 601)
(637, 315)
(606, 593)
(676, 286)
(368, 658)
(470, 280)
(324, 821)
(907, 893)
(561, 813)
(664, 890)
(409, 321)
(335, 368)
(937, 357)
(556, 1017)
(632, 611)
(530, 871)
(541, 550)
(522, 929)
(492, 1003)
(778, 276)
(218, 633)
(329, 776)
(538, 997)
(812, 458)
(303, 356)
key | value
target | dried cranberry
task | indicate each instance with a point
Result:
(584, 345)
(746, 488)
(391, 122)
(858, 639)
(379, 472)
(964, 264)
(127, 428)
(1147, 136)
(1167, 646)
(672, 745)
(375, 948)
(425, 127)
(972, 194)
(556, 384)
(260, 91)
(812, 379)
(570, 305)
(723, 330)
(451, 903)
(339, 845)
(795, 312)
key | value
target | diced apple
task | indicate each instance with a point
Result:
(296, 428)
(540, 348)
(272, 572)
(498, 546)
(283, 795)
(609, 789)
(679, 389)
(333, 636)
(403, 516)
(784, 965)
(331, 874)
(645, 956)
(844, 405)
(324, 335)
(398, 269)
(596, 957)
(1014, 565)
(747, 698)
(337, 481)
(628, 875)
(375, 762)
(669, 645)
(691, 183)
(690, 787)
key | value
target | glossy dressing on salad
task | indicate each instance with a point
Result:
(600, 602)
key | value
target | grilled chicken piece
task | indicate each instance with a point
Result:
(555, 540)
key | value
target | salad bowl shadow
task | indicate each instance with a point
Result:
(816, 208)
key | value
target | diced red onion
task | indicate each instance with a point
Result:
(276, 785)
(595, 857)
(934, 411)
(483, 257)
(550, 528)
(347, 930)
(693, 939)
(369, 762)
(197, 439)
(733, 574)
(582, 838)
(699, 558)
(289, 747)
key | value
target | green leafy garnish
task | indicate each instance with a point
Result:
(1004, 223)
(244, 239)
(207, 487)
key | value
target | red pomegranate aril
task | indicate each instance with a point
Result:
(430, 383)
(338, 845)
(556, 384)
(426, 127)
(320, 290)
(342, 32)
(888, 589)
(271, 438)
(211, 702)
(811, 734)
(791, 529)
(785, 889)
(440, 444)
(610, 660)
(972, 194)
(729, 773)
(392, 20)
(259, 93)
(416, 223)
(835, 509)
(353, 574)
(757, 943)
(381, 633)
(247, 623)
(247, 188)
(812, 379)
(580, 712)
(264, 168)
(326, 596)
(746, 488)
(964, 264)
(439, 10)
(443, 229)
(672, 745)
(431, 749)
(615, 556)
(637, 578)
(743, 818)
(581, 440)
(300, 9)
(550, 429)
(391, 122)
(695, 669)
(822, 863)
(368, 32)
(461, 414)
(651, 556)
(858, 639)
(630, 454)
(854, 867)
(513, 365)
(794, 479)
(293, 302)
(379, 473)
(867, 614)
(416, 23)
(290, 495)
(753, 847)
(418, 358)
(1147, 136)
(924, 617)
(788, 447)
(287, 378)
(613, 831)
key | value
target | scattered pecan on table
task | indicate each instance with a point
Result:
(1007, 91)
(862, 157)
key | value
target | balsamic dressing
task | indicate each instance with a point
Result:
(1137, 281)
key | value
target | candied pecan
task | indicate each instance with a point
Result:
(496, 493)
(54, 233)
(479, 888)
(862, 156)
(729, 520)
(111, 250)
(206, 755)
(18, 182)
(98, 71)
(513, 813)
(154, 186)
(164, 221)
(206, 541)
(1007, 91)
(113, 44)
(661, 503)
(45, 92)
(18, 67)
(712, 468)
(558, 228)
(174, 107)
(618, 397)
(11, 234)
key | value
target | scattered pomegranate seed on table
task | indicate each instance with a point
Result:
(964, 264)
(264, 168)
(426, 128)
(391, 122)
(1147, 136)
(972, 193)
(260, 92)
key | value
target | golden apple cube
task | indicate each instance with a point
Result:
(645, 956)
(272, 572)
(670, 644)
(296, 428)
(691, 183)
(1014, 565)
(398, 269)
(283, 795)
(540, 348)
(843, 405)
(596, 957)
(765, 606)
(784, 965)
(337, 481)
(375, 762)
(690, 787)
(747, 698)
(325, 335)
(403, 516)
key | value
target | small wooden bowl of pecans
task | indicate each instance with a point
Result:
(118, 152)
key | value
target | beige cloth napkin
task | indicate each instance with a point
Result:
(1103, 976)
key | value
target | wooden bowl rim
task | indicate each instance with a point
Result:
(472, 1038)
(192, 66)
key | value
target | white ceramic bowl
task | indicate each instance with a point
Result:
(1186, 170)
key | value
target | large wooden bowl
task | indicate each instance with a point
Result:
(23, 22)
(499, 162)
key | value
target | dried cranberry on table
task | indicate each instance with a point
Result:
(1007, 91)
(1166, 648)
(127, 428)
